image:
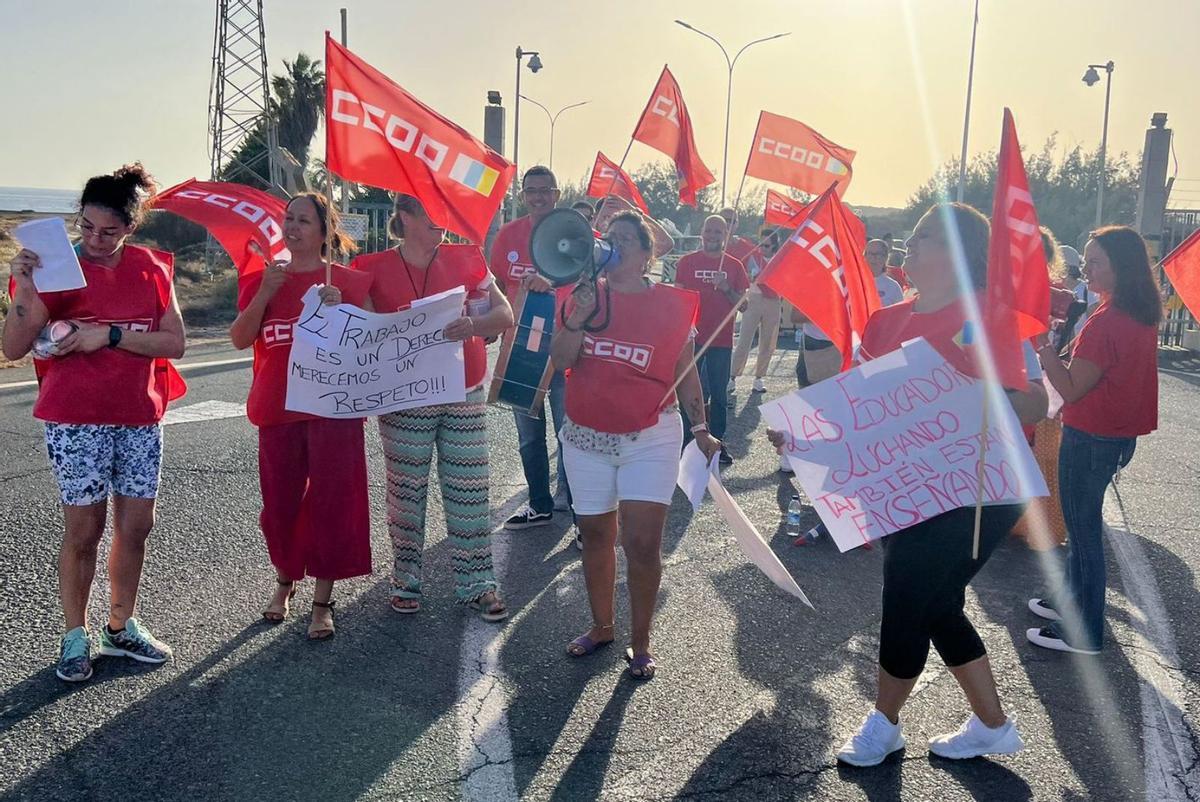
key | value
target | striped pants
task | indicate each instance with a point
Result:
(459, 432)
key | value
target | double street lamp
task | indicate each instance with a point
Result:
(553, 119)
(730, 62)
(1091, 78)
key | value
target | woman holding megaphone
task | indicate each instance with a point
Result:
(627, 342)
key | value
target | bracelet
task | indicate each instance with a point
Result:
(699, 427)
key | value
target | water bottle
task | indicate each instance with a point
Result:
(793, 516)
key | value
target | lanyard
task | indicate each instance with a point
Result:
(408, 272)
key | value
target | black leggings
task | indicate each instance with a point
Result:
(926, 569)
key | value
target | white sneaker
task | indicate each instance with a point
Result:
(974, 739)
(1042, 608)
(1047, 638)
(784, 465)
(875, 740)
(578, 536)
(759, 387)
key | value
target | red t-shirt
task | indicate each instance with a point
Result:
(395, 284)
(273, 346)
(619, 383)
(698, 272)
(1124, 403)
(111, 386)
(510, 261)
(892, 326)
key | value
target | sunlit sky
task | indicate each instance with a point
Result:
(88, 86)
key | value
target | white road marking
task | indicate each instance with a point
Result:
(1168, 735)
(181, 368)
(203, 411)
(485, 757)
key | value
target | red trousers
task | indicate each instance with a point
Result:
(315, 516)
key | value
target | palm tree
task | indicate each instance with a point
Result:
(299, 104)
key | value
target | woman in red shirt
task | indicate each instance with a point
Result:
(1110, 390)
(420, 266)
(102, 397)
(926, 567)
(624, 354)
(312, 471)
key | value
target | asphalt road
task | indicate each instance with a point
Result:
(754, 691)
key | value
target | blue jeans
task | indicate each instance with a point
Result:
(713, 370)
(1086, 465)
(535, 460)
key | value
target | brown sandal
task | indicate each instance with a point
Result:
(276, 614)
(321, 632)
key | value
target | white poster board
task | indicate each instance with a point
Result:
(897, 441)
(350, 363)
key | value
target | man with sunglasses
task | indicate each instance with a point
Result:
(513, 268)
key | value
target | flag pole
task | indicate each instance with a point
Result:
(328, 225)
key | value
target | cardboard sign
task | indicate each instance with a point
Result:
(350, 363)
(897, 441)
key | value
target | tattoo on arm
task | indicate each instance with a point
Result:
(695, 410)
(20, 310)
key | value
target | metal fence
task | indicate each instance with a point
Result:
(373, 230)
(1178, 224)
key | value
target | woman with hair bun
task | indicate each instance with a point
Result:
(419, 266)
(312, 471)
(102, 396)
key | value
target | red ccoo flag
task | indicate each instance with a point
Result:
(820, 270)
(788, 152)
(247, 222)
(666, 127)
(1182, 267)
(1017, 305)
(378, 134)
(609, 179)
(781, 209)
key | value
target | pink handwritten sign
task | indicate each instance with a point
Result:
(897, 441)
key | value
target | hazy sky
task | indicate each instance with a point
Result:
(89, 85)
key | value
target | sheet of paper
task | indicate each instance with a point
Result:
(694, 472)
(751, 542)
(430, 299)
(60, 268)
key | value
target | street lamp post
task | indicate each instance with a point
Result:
(535, 64)
(1091, 78)
(962, 159)
(553, 119)
(729, 90)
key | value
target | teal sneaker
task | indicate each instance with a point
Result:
(134, 641)
(75, 656)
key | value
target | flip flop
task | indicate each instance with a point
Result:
(641, 666)
(585, 646)
(493, 611)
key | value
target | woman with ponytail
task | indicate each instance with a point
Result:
(312, 471)
(104, 389)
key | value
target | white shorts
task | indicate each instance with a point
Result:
(644, 469)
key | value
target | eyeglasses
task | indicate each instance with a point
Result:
(539, 190)
(85, 225)
(624, 238)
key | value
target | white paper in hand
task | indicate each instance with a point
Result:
(694, 471)
(751, 542)
(60, 268)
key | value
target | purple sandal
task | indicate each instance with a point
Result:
(641, 666)
(583, 646)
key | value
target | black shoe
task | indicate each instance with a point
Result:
(725, 459)
(527, 518)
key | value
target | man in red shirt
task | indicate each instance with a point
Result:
(513, 268)
(720, 279)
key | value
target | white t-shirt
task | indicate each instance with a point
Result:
(889, 290)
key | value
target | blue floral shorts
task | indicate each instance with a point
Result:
(90, 461)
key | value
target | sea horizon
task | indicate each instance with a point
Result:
(38, 200)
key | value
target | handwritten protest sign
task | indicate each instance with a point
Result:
(349, 363)
(897, 441)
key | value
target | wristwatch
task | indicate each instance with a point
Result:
(114, 335)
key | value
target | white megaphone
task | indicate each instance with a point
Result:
(564, 248)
